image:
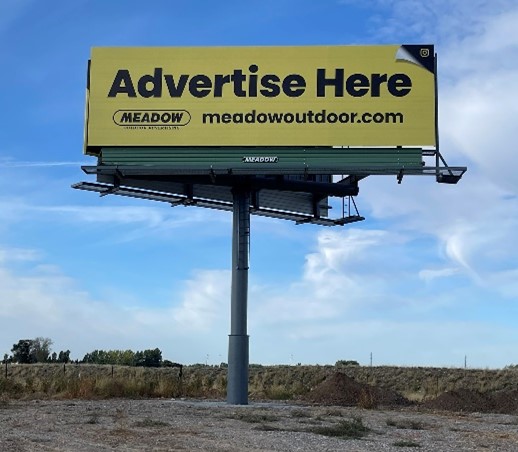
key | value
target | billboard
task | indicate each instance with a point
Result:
(363, 96)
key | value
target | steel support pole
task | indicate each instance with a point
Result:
(237, 380)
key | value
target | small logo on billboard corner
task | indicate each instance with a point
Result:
(152, 118)
(425, 53)
(260, 159)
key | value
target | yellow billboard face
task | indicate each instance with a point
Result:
(261, 96)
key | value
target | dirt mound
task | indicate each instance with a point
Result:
(467, 400)
(506, 402)
(341, 390)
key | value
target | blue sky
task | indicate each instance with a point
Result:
(430, 277)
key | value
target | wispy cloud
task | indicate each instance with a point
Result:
(435, 21)
(8, 163)
(430, 275)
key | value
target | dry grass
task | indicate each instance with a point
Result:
(353, 429)
(273, 383)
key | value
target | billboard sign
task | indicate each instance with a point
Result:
(363, 96)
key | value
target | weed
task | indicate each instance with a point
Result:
(120, 418)
(300, 413)
(351, 429)
(93, 419)
(267, 428)
(279, 392)
(333, 412)
(150, 423)
(367, 400)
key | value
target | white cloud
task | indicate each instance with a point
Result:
(41, 300)
(205, 302)
(11, 163)
(429, 275)
(333, 307)
(434, 21)
(475, 221)
(18, 255)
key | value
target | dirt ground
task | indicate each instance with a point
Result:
(193, 425)
(338, 414)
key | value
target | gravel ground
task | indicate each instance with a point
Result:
(189, 425)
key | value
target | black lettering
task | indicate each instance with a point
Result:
(238, 78)
(126, 117)
(176, 116)
(270, 87)
(376, 81)
(156, 84)
(276, 117)
(399, 85)
(332, 118)
(294, 85)
(219, 81)
(250, 117)
(337, 82)
(320, 117)
(343, 118)
(357, 85)
(200, 86)
(211, 118)
(122, 84)
(176, 90)
(262, 118)
(301, 118)
(237, 118)
(252, 81)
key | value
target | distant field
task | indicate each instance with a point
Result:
(265, 382)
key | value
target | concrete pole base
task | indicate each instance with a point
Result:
(237, 378)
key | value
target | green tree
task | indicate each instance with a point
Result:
(22, 351)
(41, 347)
(146, 358)
(64, 357)
(348, 362)
(153, 358)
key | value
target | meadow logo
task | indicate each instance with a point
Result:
(260, 159)
(151, 117)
